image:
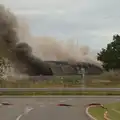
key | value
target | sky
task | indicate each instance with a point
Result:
(91, 22)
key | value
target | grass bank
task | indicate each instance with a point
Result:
(113, 111)
(61, 81)
(104, 93)
(105, 80)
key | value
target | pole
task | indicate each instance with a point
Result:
(83, 80)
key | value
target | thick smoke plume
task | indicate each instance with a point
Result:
(29, 52)
(49, 48)
(20, 53)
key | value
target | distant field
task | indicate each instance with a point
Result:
(62, 81)
(104, 80)
(113, 111)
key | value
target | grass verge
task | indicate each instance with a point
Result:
(104, 93)
(113, 111)
(101, 81)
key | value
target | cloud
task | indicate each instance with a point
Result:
(37, 12)
(29, 12)
(92, 22)
(46, 4)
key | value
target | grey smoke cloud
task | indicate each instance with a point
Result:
(49, 48)
(46, 48)
(19, 53)
(29, 52)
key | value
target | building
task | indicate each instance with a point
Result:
(67, 68)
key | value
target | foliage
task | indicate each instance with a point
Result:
(110, 56)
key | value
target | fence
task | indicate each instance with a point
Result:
(58, 81)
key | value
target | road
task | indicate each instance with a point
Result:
(45, 108)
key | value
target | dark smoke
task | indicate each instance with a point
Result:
(34, 65)
(27, 52)
(19, 53)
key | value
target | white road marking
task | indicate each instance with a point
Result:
(62, 100)
(116, 111)
(69, 99)
(93, 118)
(26, 111)
(18, 118)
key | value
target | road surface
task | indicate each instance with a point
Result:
(45, 108)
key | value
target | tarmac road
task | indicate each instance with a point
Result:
(45, 108)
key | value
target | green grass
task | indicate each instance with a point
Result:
(113, 111)
(59, 93)
(105, 80)
(56, 81)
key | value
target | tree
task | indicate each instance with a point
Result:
(110, 56)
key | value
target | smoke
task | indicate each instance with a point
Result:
(20, 53)
(29, 52)
(48, 48)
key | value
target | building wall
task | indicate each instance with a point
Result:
(65, 68)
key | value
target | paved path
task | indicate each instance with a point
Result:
(45, 108)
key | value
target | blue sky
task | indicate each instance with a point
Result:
(91, 22)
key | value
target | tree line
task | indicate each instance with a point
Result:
(110, 56)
